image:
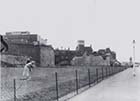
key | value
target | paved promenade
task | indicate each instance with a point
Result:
(120, 87)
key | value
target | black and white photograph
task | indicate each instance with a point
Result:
(69, 50)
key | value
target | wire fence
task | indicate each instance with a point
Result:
(74, 82)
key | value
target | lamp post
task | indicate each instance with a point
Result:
(134, 72)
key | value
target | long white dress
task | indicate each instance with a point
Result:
(26, 71)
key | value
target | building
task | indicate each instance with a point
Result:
(81, 48)
(101, 57)
(65, 56)
(90, 60)
(106, 52)
(30, 45)
(24, 37)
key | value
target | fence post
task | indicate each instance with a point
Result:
(109, 71)
(106, 71)
(97, 74)
(76, 72)
(56, 78)
(89, 77)
(14, 89)
(102, 73)
(116, 69)
(113, 70)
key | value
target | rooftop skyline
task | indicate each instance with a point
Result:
(105, 23)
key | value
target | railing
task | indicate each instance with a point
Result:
(77, 80)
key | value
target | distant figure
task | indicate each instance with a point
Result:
(3, 44)
(28, 68)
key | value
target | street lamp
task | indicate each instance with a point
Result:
(134, 72)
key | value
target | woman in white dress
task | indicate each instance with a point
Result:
(28, 69)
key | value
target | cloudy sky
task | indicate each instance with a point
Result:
(102, 23)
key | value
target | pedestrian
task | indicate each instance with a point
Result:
(28, 60)
(28, 68)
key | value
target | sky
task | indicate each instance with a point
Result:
(101, 23)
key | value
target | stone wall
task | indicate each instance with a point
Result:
(90, 60)
(46, 56)
(13, 60)
(28, 50)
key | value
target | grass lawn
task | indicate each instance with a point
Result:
(42, 85)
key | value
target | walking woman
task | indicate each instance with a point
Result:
(28, 68)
